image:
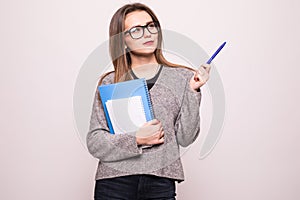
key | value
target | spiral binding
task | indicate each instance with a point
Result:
(148, 99)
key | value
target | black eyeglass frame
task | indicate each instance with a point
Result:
(143, 28)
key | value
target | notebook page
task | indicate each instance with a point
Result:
(126, 114)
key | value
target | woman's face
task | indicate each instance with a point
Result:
(142, 44)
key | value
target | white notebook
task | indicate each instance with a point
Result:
(126, 114)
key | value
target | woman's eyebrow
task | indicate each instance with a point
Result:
(141, 25)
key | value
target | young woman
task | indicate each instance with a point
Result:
(145, 164)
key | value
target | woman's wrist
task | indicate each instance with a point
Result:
(139, 141)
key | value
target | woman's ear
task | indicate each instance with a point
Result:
(126, 48)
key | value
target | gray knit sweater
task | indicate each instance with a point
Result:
(175, 104)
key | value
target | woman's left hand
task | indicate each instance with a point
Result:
(200, 77)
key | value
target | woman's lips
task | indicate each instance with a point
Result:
(148, 43)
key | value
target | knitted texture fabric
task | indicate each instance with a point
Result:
(175, 104)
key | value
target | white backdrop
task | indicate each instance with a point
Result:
(44, 44)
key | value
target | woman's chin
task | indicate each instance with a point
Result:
(144, 51)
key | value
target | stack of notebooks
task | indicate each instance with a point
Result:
(127, 105)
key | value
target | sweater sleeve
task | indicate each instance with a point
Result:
(187, 125)
(105, 146)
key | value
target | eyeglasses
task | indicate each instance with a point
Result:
(137, 32)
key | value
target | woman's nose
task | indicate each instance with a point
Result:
(147, 33)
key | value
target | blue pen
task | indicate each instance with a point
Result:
(216, 53)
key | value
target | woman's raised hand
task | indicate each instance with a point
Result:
(200, 77)
(150, 133)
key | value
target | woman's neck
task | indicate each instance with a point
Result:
(141, 60)
(144, 66)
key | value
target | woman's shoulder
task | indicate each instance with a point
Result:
(179, 71)
(107, 78)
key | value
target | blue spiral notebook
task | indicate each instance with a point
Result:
(126, 105)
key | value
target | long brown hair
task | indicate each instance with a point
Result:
(120, 57)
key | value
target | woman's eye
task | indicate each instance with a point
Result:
(135, 30)
(152, 25)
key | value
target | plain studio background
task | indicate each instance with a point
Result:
(44, 44)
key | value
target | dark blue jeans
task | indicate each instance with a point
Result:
(135, 187)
